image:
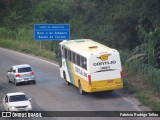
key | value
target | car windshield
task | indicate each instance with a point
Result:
(26, 69)
(16, 98)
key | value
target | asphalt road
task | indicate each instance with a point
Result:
(52, 94)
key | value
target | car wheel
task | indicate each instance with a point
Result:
(80, 89)
(15, 83)
(34, 82)
(8, 79)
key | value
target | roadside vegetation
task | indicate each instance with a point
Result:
(131, 26)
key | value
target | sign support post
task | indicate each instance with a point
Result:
(40, 44)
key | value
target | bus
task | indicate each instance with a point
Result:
(90, 66)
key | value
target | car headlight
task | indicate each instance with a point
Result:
(12, 107)
(29, 106)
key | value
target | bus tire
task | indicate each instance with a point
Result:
(64, 76)
(80, 88)
(67, 83)
(110, 91)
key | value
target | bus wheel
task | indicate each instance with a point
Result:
(67, 83)
(110, 91)
(80, 89)
(64, 76)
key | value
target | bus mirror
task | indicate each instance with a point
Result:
(57, 53)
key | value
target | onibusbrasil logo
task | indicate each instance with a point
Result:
(21, 114)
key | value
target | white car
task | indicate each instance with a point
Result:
(16, 102)
(21, 74)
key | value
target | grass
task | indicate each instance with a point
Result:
(143, 98)
(148, 98)
(22, 40)
(27, 48)
(143, 82)
(137, 86)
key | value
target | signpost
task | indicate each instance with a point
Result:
(51, 32)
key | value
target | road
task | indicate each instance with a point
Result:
(52, 94)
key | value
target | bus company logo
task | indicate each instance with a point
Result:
(104, 57)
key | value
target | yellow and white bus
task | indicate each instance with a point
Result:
(90, 66)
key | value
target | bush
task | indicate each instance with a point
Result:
(152, 77)
(7, 33)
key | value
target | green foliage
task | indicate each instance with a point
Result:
(155, 106)
(24, 34)
(114, 23)
(143, 98)
(27, 48)
(124, 56)
(50, 11)
(153, 79)
(7, 33)
(19, 13)
(129, 88)
(145, 52)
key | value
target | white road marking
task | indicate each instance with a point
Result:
(31, 56)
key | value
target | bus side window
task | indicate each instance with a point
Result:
(69, 55)
(63, 54)
(81, 61)
(73, 57)
(85, 64)
(78, 59)
(65, 50)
